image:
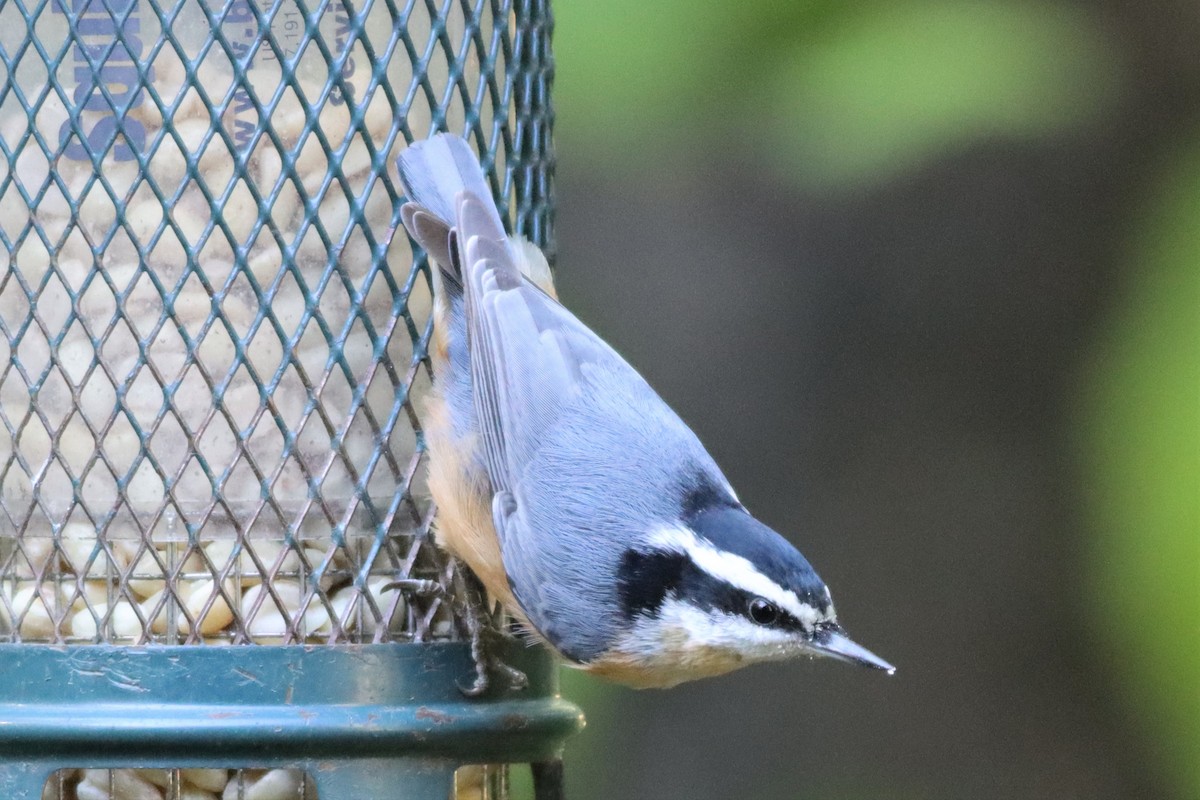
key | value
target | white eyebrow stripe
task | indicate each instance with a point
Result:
(735, 570)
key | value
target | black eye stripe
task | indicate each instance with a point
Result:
(645, 579)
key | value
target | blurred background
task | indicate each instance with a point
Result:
(925, 277)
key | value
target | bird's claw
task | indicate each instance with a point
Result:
(517, 680)
(486, 638)
(420, 587)
(483, 628)
(488, 665)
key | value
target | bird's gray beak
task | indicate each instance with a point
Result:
(832, 642)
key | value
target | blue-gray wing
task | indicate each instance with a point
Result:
(527, 351)
(584, 457)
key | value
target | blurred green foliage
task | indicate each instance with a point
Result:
(893, 86)
(1143, 427)
(839, 95)
(840, 92)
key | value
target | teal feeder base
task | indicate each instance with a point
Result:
(366, 722)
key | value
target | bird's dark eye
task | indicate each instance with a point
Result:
(763, 612)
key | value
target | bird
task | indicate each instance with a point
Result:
(579, 500)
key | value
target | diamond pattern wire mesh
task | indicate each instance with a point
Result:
(471, 782)
(185, 784)
(210, 406)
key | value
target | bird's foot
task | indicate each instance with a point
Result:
(486, 641)
(487, 636)
(483, 627)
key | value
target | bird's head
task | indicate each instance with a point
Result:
(718, 589)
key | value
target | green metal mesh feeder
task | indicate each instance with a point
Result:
(210, 409)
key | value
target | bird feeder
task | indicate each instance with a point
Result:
(211, 461)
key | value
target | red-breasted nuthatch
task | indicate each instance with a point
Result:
(579, 499)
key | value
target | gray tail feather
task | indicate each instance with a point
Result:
(434, 171)
(435, 237)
